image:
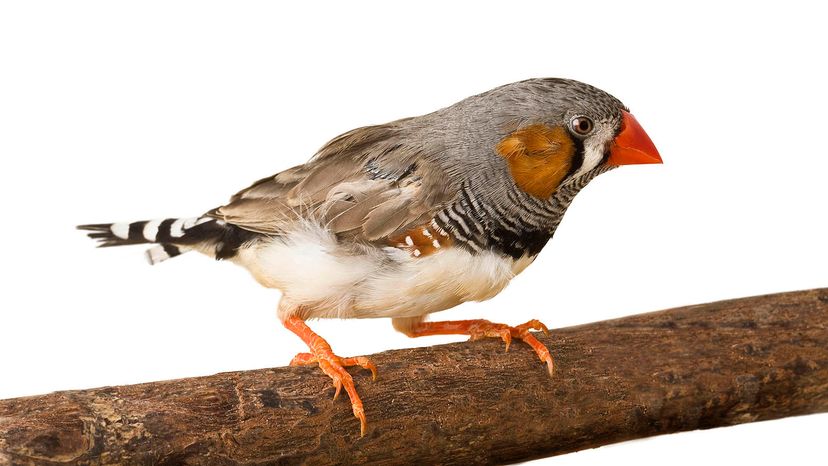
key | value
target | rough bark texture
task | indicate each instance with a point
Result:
(696, 367)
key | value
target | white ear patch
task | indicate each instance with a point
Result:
(594, 148)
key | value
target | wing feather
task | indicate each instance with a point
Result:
(367, 184)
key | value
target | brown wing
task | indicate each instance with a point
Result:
(367, 184)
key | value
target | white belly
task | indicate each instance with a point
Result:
(323, 279)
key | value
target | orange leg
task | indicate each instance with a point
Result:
(480, 328)
(331, 364)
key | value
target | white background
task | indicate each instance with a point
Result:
(116, 111)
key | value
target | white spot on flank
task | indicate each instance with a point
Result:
(151, 230)
(417, 253)
(436, 244)
(426, 233)
(409, 241)
(121, 230)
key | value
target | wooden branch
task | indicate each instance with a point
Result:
(690, 368)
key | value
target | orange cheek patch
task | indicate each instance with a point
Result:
(539, 158)
(422, 241)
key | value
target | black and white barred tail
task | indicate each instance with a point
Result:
(173, 236)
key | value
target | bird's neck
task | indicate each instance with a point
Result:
(518, 225)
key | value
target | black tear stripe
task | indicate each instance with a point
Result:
(606, 157)
(577, 158)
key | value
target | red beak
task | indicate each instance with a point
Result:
(632, 145)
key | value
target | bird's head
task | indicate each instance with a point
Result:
(562, 130)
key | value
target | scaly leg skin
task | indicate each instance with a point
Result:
(331, 364)
(480, 328)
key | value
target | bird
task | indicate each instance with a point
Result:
(404, 219)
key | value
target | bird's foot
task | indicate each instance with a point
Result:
(481, 328)
(333, 366)
(484, 328)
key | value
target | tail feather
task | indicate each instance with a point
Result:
(162, 252)
(170, 230)
(173, 236)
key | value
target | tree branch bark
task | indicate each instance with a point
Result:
(695, 367)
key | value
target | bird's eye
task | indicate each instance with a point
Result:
(581, 125)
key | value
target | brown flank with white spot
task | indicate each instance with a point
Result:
(423, 240)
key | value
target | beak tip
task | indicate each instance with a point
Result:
(632, 145)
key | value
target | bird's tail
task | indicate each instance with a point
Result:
(173, 236)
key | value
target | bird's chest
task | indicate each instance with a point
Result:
(314, 273)
(413, 286)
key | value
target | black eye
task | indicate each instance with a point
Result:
(581, 125)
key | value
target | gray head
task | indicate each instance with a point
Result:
(522, 151)
(572, 126)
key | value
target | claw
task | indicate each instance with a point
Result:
(362, 362)
(506, 336)
(477, 329)
(332, 365)
(363, 424)
(542, 351)
(338, 386)
(533, 324)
